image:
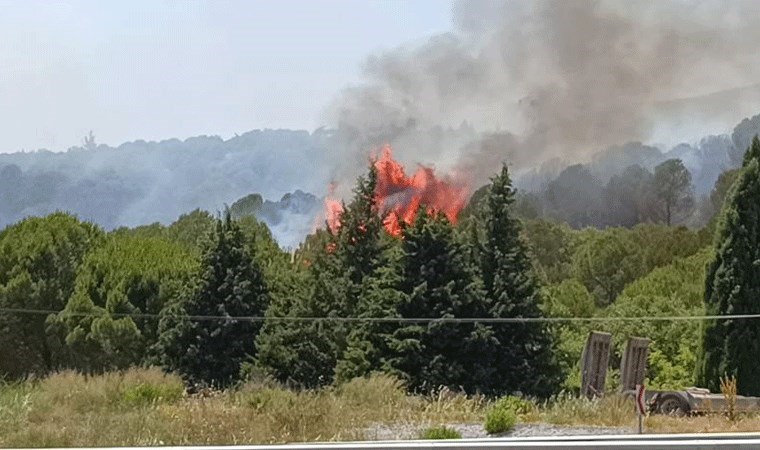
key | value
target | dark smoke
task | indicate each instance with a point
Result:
(528, 81)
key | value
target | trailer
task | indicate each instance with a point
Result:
(694, 400)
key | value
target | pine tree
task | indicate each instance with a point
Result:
(307, 353)
(732, 347)
(367, 346)
(231, 284)
(524, 360)
(304, 353)
(438, 282)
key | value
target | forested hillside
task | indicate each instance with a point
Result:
(283, 175)
(218, 292)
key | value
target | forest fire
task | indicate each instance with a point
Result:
(400, 196)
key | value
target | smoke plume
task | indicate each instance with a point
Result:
(527, 81)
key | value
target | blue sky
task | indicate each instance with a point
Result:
(152, 69)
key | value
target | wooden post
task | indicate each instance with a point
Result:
(641, 409)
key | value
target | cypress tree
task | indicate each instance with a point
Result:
(367, 347)
(343, 262)
(231, 284)
(304, 354)
(732, 286)
(437, 281)
(524, 360)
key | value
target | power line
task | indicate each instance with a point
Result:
(200, 318)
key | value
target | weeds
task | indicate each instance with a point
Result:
(440, 433)
(728, 389)
(147, 408)
(502, 415)
(610, 410)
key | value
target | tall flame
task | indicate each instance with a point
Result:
(399, 196)
(333, 209)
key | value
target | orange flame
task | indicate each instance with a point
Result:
(399, 196)
(333, 209)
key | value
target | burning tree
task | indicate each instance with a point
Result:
(398, 196)
(344, 259)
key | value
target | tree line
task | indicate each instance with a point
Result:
(216, 300)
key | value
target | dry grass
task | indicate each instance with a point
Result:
(713, 423)
(147, 407)
(608, 411)
(618, 411)
(728, 389)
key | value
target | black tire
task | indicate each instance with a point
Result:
(672, 405)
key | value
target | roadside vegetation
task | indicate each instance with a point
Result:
(148, 407)
(344, 333)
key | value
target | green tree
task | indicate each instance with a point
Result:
(659, 245)
(231, 284)
(298, 353)
(437, 281)
(127, 276)
(552, 246)
(731, 347)
(191, 229)
(368, 343)
(606, 261)
(249, 205)
(39, 259)
(673, 190)
(525, 360)
(722, 186)
(673, 290)
(339, 261)
(569, 298)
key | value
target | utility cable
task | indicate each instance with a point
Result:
(200, 318)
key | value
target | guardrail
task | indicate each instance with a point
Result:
(707, 441)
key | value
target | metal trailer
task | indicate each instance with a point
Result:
(594, 363)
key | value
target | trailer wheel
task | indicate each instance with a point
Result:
(672, 405)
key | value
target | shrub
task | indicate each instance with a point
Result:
(148, 394)
(520, 406)
(502, 415)
(440, 433)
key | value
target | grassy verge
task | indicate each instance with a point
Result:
(147, 407)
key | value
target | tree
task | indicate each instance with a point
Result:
(731, 347)
(127, 275)
(552, 246)
(628, 197)
(191, 230)
(673, 290)
(230, 284)
(673, 190)
(569, 298)
(606, 261)
(575, 197)
(525, 358)
(437, 281)
(722, 186)
(39, 259)
(368, 347)
(304, 354)
(339, 261)
(249, 205)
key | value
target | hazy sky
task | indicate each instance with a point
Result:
(151, 69)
